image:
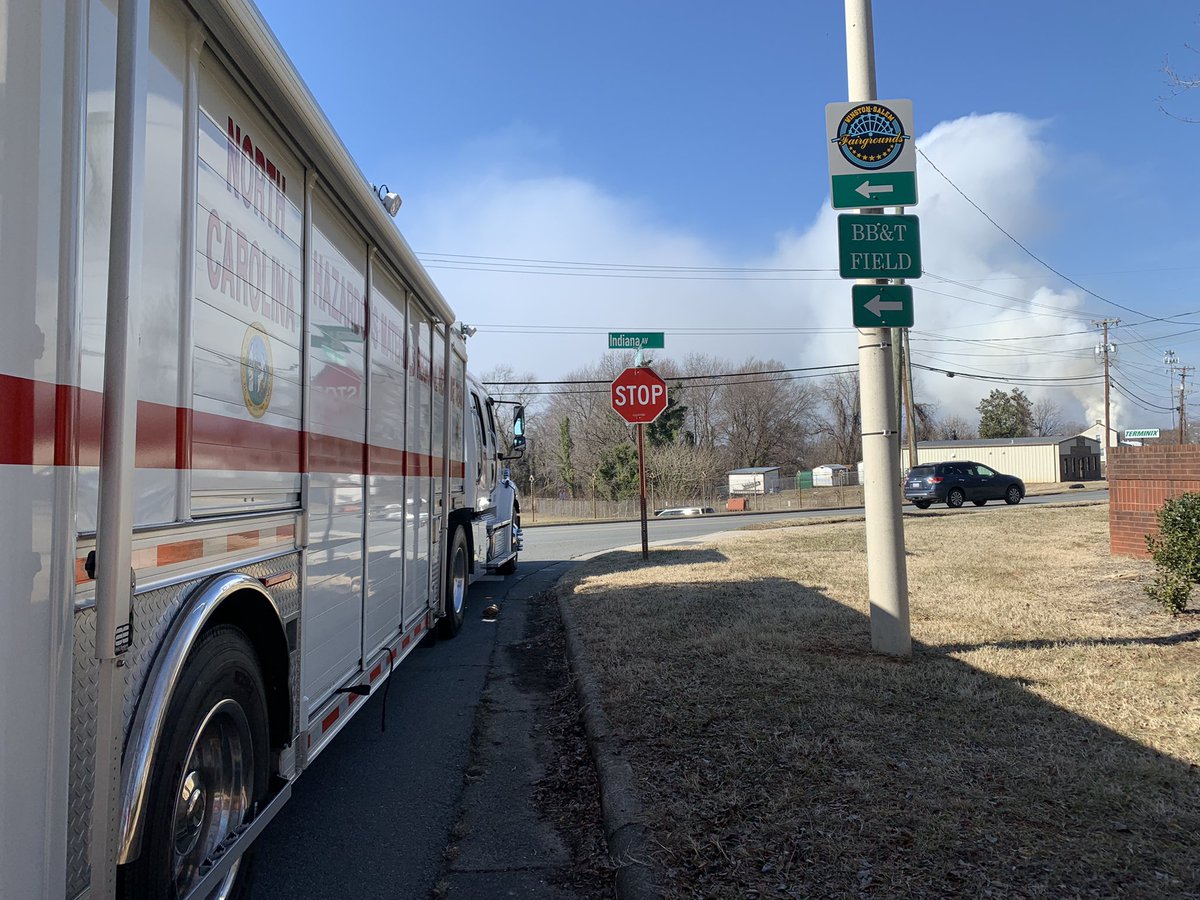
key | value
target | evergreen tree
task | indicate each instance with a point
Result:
(665, 431)
(617, 472)
(1005, 415)
(566, 470)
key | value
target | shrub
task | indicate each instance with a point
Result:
(1176, 552)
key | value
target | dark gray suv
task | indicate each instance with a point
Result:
(954, 483)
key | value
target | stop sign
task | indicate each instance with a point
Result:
(638, 395)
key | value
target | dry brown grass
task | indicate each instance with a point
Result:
(1042, 742)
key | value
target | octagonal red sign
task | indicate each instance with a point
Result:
(638, 395)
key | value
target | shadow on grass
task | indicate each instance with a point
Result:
(678, 554)
(776, 757)
(1168, 640)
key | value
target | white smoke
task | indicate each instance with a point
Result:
(802, 314)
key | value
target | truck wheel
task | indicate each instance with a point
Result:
(456, 586)
(210, 773)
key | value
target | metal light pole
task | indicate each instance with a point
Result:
(887, 574)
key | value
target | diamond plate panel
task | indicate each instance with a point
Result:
(153, 612)
(83, 751)
(286, 595)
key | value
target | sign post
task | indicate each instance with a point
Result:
(639, 396)
(870, 138)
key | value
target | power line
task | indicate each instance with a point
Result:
(677, 378)
(1139, 401)
(1031, 254)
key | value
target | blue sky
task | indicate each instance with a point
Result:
(691, 134)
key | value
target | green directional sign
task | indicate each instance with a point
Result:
(882, 305)
(636, 340)
(1142, 433)
(881, 189)
(879, 246)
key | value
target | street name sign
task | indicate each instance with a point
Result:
(872, 158)
(882, 306)
(639, 395)
(1142, 433)
(871, 246)
(636, 340)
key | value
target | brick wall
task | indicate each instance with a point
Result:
(1139, 480)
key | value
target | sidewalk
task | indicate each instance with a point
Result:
(525, 829)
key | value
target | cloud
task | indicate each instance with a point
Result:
(786, 302)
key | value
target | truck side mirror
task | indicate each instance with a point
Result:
(519, 428)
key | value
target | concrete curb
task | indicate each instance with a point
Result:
(624, 822)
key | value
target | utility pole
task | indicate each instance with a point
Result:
(1170, 360)
(887, 575)
(909, 400)
(897, 336)
(1183, 374)
(1104, 350)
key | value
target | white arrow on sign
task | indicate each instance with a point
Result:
(879, 306)
(867, 189)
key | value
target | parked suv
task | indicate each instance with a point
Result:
(954, 483)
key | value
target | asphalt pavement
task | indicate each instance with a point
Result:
(400, 813)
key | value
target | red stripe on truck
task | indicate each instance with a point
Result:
(59, 425)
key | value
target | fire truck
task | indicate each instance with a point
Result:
(244, 469)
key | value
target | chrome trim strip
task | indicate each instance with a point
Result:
(150, 720)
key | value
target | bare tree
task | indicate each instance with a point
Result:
(700, 395)
(1048, 417)
(955, 428)
(762, 419)
(595, 428)
(842, 419)
(1177, 84)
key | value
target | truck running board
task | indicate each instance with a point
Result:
(229, 851)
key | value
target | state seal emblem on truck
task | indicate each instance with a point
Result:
(258, 375)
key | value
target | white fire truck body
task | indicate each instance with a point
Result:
(314, 476)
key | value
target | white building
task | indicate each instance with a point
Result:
(1034, 459)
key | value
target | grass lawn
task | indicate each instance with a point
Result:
(1043, 741)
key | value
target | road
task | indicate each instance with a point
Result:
(373, 815)
(561, 542)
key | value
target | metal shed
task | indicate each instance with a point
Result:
(754, 480)
(1033, 459)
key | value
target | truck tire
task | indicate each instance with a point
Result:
(457, 580)
(210, 773)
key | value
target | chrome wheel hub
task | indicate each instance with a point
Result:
(214, 793)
